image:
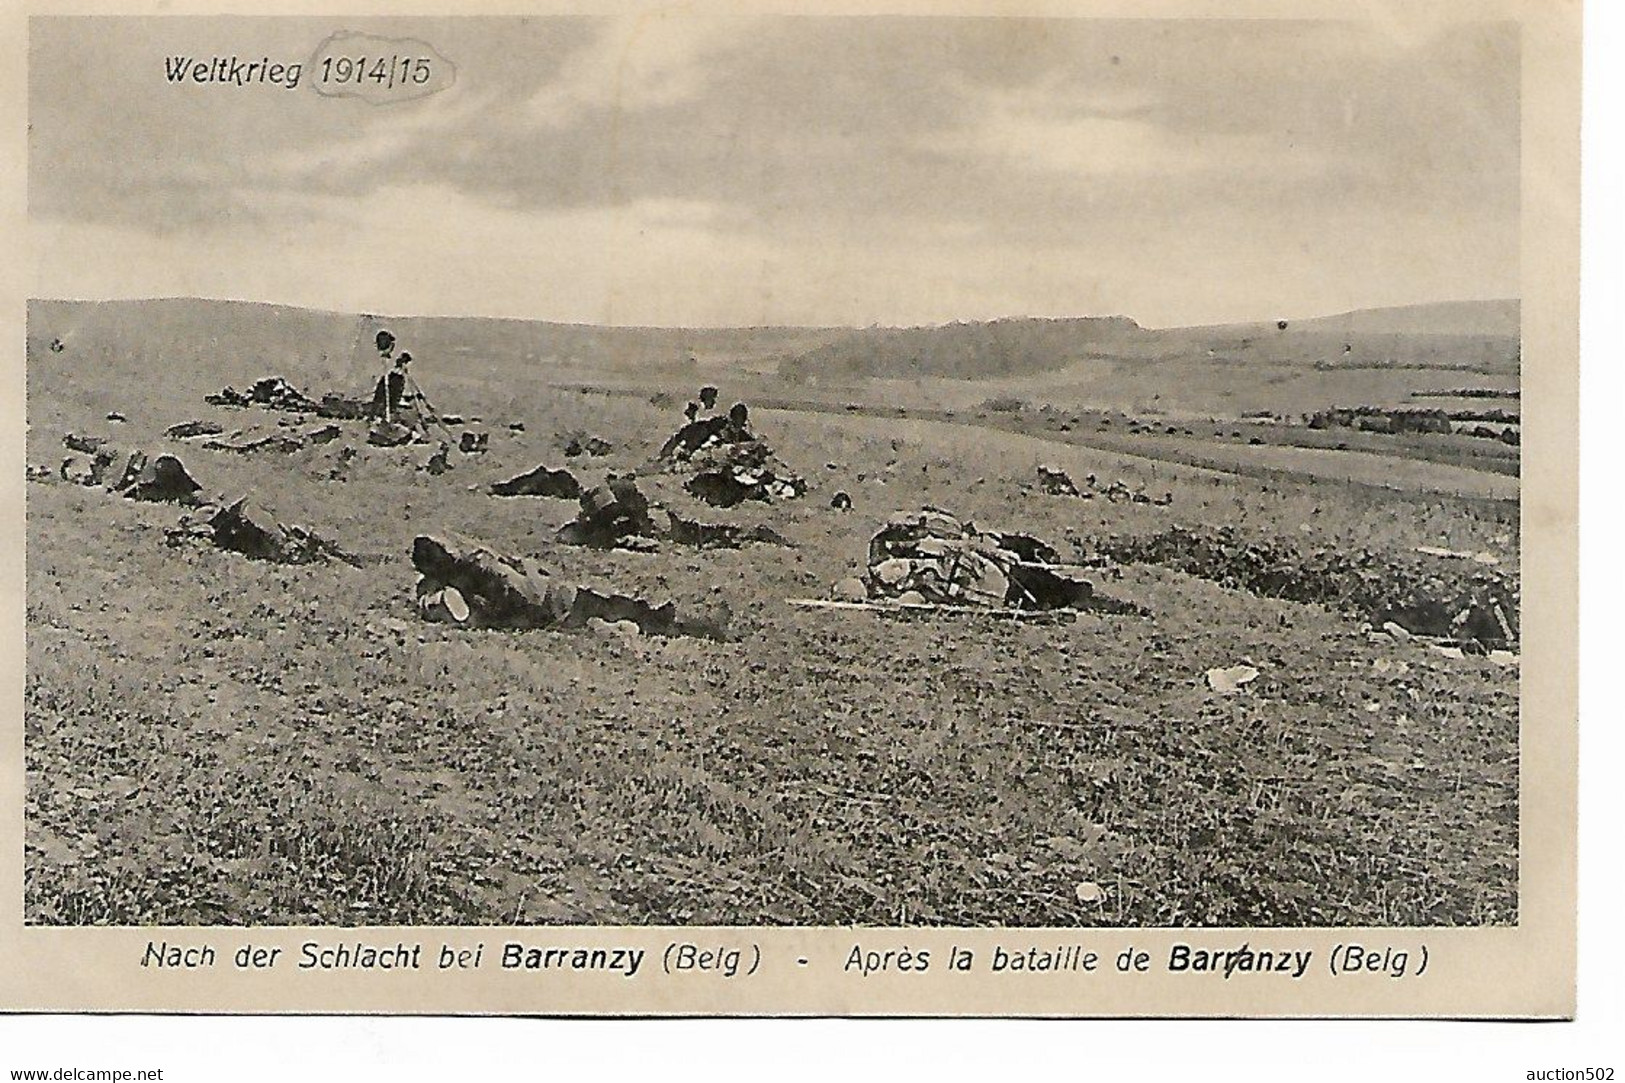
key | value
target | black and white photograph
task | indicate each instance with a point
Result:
(704, 469)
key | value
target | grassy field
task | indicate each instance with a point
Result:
(212, 739)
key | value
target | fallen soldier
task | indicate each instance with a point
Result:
(542, 481)
(616, 515)
(469, 583)
(133, 475)
(613, 514)
(933, 558)
(241, 527)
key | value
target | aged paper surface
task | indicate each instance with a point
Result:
(1232, 350)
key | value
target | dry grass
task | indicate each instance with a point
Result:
(213, 740)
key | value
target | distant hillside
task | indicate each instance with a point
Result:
(1476, 335)
(1496, 319)
(1489, 319)
(1013, 347)
(240, 339)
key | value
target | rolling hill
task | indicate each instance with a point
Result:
(241, 339)
(1479, 336)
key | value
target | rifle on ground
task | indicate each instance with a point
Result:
(427, 408)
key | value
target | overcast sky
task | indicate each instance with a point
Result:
(683, 171)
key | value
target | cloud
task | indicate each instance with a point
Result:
(1114, 146)
(684, 169)
(369, 149)
(409, 248)
(651, 60)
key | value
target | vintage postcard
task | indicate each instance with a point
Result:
(789, 510)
